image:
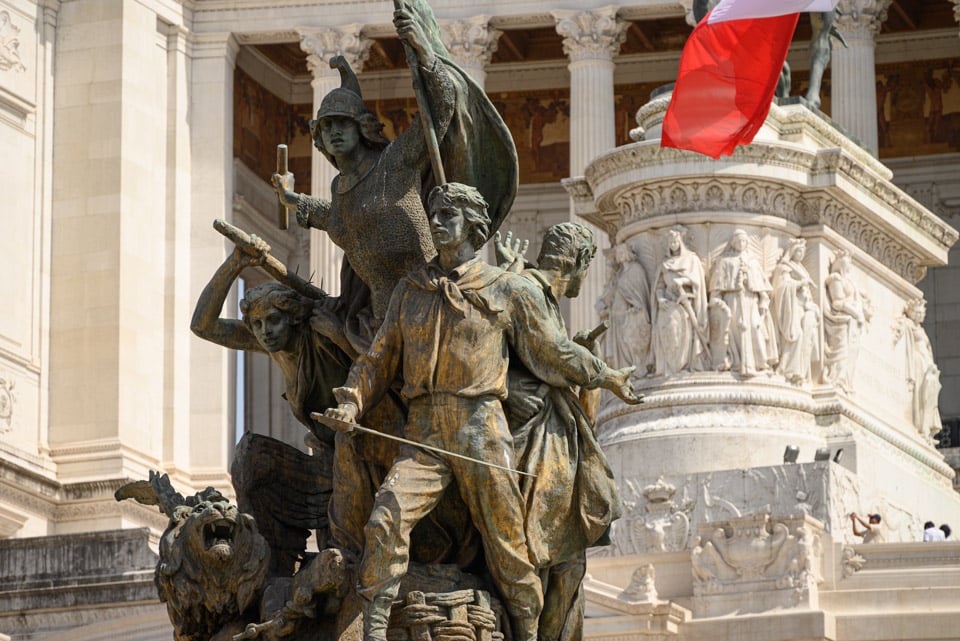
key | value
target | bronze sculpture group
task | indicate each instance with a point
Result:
(455, 481)
(474, 486)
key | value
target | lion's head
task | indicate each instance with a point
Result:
(213, 562)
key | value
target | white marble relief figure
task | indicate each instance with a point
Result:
(742, 335)
(845, 319)
(628, 339)
(606, 300)
(679, 310)
(923, 375)
(796, 316)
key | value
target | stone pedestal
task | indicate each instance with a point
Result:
(727, 270)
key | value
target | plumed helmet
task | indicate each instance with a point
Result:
(341, 102)
(345, 100)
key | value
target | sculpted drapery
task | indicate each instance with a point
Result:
(679, 310)
(743, 337)
(797, 316)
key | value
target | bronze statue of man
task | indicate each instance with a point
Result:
(448, 330)
(572, 499)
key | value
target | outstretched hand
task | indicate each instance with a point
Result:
(510, 252)
(618, 382)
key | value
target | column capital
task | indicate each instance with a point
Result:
(861, 19)
(591, 35)
(322, 43)
(956, 10)
(471, 42)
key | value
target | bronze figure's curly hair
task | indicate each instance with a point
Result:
(276, 295)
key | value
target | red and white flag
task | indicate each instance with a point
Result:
(728, 73)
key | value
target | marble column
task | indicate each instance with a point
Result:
(471, 43)
(853, 93)
(213, 58)
(178, 297)
(321, 45)
(590, 39)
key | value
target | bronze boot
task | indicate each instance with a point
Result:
(376, 616)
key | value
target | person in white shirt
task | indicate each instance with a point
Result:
(932, 533)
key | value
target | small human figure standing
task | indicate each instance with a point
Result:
(872, 531)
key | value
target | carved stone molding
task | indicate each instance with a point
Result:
(775, 560)
(773, 198)
(9, 44)
(956, 10)
(861, 19)
(471, 42)
(321, 44)
(8, 400)
(591, 35)
(268, 37)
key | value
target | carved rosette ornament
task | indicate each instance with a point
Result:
(471, 42)
(9, 44)
(324, 43)
(591, 35)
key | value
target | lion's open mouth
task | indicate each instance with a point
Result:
(219, 533)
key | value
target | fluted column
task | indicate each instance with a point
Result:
(853, 74)
(471, 43)
(590, 39)
(321, 45)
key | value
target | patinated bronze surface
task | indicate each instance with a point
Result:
(472, 518)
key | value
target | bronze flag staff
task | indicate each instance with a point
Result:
(426, 117)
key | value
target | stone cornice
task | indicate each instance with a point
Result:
(928, 556)
(718, 390)
(806, 172)
(268, 37)
(768, 197)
